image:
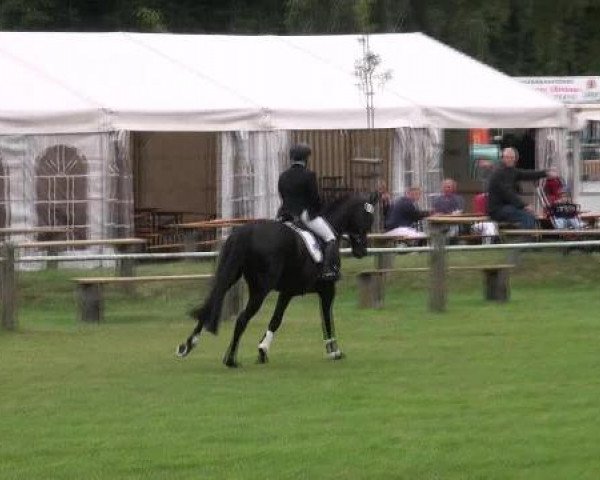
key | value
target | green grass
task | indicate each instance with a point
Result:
(483, 391)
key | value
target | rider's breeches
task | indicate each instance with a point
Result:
(318, 226)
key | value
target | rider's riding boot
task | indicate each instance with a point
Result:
(331, 262)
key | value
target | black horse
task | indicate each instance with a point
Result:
(271, 256)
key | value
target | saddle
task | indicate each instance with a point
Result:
(313, 244)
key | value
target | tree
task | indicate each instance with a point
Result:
(519, 37)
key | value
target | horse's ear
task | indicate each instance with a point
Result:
(373, 198)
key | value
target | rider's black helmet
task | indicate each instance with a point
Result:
(300, 152)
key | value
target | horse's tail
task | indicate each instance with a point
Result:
(229, 271)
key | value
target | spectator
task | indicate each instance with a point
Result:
(448, 202)
(504, 202)
(484, 169)
(404, 214)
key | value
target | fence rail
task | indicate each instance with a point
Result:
(9, 259)
(343, 251)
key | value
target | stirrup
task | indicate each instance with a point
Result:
(330, 275)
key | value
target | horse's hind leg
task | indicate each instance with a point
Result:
(327, 294)
(254, 303)
(184, 349)
(263, 347)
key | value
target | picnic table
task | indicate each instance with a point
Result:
(591, 218)
(191, 231)
(458, 219)
(551, 232)
(496, 277)
(154, 223)
(211, 224)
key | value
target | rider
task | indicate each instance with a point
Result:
(300, 200)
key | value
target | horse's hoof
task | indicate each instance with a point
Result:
(230, 363)
(182, 350)
(337, 355)
(262, 356)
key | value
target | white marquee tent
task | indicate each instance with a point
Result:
(68, 101)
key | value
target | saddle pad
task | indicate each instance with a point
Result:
(310, 241)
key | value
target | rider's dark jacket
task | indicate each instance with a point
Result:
(299, 191)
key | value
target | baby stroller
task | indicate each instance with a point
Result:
(560, 211)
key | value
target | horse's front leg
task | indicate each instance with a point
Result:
(283, 300)
(327, 294)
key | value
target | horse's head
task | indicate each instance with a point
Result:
(354, 217)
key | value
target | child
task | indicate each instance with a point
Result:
(553, 187)
(565, 212)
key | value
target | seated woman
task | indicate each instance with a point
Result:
(448, 202)
(404, 214)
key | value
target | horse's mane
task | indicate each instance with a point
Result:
(334, 204)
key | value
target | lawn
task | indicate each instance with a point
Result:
(482, 391)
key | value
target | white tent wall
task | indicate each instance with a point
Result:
(227, 167)
(119, 187)
(269, 154)
(417, 161)
(4, 194)
(552, 150)
(65, 181)
(249, 169)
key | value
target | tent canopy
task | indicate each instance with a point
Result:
(87, 82)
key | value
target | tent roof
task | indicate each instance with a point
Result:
(77, 82)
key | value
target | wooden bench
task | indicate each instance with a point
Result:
(90, 290)
(371, 283)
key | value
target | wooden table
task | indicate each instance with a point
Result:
(459, 219)
(591, 218)
(216, 223)
(165, 218)
(156, 214)
(191, 230)
(556, 232)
